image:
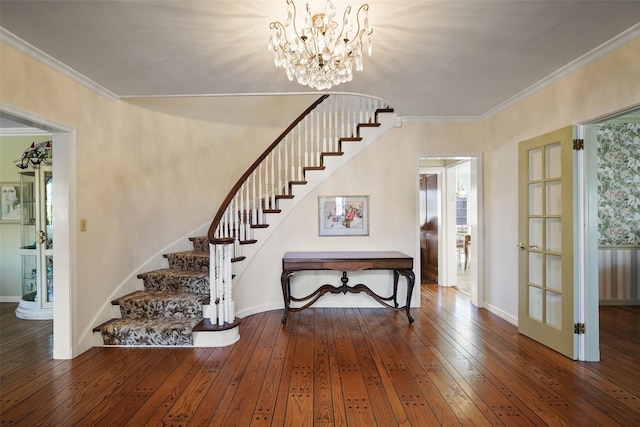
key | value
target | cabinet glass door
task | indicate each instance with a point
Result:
(36, 248)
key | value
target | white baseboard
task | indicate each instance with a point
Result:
(504, 315)
(9, 299)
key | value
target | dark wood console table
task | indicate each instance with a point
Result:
(294, 262)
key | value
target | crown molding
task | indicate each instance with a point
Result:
(586, 59)
(17, 43)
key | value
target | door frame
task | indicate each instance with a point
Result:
(64, 215)
(446, 247)
(589, 344)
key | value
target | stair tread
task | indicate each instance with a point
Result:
(190, 253)
(161, 295)
(165, 322)
(174, 272)
(162, 331)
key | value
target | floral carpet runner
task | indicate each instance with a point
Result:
(170, 306)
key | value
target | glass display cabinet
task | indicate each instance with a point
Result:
(36, 249)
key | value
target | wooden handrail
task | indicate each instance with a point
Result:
(252, 168)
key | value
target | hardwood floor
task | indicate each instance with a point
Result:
(456, 365)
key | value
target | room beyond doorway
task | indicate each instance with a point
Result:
(449, 222)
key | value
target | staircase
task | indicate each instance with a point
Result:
(171, 309)
(175, 309)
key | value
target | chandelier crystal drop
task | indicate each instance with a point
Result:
(321, 53)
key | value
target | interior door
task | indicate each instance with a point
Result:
(429, 228)
(545, 236)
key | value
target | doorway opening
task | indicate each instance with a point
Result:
(612, 217)
(450, 223)
(63, 142)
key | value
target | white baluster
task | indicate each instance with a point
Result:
(280, 186)
(260, 193)
(299, 129)
(324, 128)
(241, 230)
(273, 181)
(228, 301)
(254, 207)
(285, 164)
(318, 140)
(306, 142)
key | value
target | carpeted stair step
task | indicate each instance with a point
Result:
(157, 331)
(159, 304)
(189, 260)
(173, 280)
(200, 243)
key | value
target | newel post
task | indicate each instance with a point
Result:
(220, 286)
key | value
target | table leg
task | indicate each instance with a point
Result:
(396, 275)
(411, 278)
(285, 280)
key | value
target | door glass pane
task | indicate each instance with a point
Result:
(535, 199)
(552, 161)
(554, 272)
(48, 206)
(554, 310)
(49, 278)
(535, 164)
(535, 232)
(535, 268)
(554, 234)
(554, 198)
(29, 277)
(535, 303)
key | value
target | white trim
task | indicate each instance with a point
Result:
(441, 119)
(64, 214)
(23, 132)
(10, 299)
(28, 49)
(586, 59)
(446, 244)
(502, 314)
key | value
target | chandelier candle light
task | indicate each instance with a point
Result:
(321, 54)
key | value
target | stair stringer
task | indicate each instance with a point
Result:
(314, 178)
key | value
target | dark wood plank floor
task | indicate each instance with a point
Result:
(456, 365)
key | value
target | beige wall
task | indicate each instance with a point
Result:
(146, 178)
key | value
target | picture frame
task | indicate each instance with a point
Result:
(11, 211)
(343, 215)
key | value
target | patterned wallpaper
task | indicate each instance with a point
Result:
(619, 184)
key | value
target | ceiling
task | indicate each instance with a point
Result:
(443, 59)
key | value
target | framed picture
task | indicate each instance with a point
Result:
(11, 209)
(343, 215)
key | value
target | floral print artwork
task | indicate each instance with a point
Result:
(619, 184)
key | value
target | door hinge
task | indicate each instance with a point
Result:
(578, 144)
(578, 328)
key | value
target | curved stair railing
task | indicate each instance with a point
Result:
(317, 133)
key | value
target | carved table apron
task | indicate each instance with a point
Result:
(294, 262)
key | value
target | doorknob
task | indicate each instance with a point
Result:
(523, 246)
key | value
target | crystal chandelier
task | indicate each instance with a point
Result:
(321, 54)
